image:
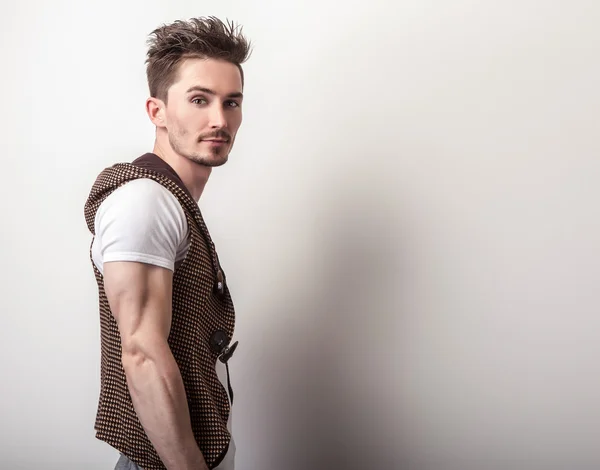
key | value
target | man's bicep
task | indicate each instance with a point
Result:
(140, 297)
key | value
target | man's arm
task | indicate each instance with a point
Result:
(140, 299)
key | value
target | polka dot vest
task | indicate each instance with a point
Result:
(201, 306)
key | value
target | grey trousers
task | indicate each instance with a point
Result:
(227, 464)
(125, 464)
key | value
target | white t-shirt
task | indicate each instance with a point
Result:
(143, 221)
(140, 221)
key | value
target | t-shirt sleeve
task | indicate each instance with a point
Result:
(141, 221)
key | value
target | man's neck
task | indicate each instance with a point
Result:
(193, 175)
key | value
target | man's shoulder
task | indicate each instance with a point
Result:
(142, 206)
(125, 187)
(143, 194)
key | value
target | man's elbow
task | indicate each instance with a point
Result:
(138, 352)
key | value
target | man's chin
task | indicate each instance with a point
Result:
(210, 161)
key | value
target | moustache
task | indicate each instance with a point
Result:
(215, 135)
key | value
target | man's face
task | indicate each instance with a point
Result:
(204, 111)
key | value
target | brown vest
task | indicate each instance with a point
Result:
(201, 306)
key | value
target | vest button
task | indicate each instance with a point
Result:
(219, 341)
(220, 282)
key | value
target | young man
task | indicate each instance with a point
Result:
(166, 313)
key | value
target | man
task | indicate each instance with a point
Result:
(166, 314)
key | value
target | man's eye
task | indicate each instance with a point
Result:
(199, 101)
(233, 104)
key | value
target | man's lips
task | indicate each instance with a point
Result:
(216, 140)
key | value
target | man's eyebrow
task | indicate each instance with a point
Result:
(208, 91)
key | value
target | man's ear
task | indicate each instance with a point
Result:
(156, 111)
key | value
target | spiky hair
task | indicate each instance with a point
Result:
(203, 37)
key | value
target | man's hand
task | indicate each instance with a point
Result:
(140, 299)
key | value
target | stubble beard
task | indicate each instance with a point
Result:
(211, 158)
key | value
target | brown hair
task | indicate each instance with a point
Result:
(203, 37)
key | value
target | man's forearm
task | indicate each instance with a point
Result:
(160, 402)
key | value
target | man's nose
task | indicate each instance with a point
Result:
(217, 117)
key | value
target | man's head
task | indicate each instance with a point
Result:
(195, 78)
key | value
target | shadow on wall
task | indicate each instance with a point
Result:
(338, 359)
(337, 374)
